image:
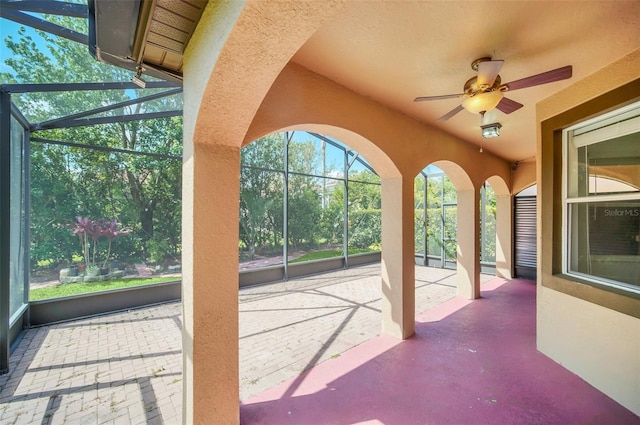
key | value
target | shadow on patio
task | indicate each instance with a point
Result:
(469, 362)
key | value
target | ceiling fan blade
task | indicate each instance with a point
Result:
(508, 106)
(544, 78)
(450, 113)
(487, 72)
(445, 96)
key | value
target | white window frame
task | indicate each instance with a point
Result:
(600, 128)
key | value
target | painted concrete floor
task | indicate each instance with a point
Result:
(125, 368)
(468, 363)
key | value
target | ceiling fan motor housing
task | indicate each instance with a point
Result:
(471, 86)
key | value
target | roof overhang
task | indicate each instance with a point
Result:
(151, 34)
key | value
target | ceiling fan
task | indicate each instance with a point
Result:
(486, 91)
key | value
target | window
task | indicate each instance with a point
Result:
(17, 230)
(601, 199)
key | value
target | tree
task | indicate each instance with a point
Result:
(419, 207)
(142, 192)
(441, 218)
(315, 198)
(305, 209)
(52, 190)
(365, 211)
(305, 194)
(261, 195)
(488, 250)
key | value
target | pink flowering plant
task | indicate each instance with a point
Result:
(91, 233)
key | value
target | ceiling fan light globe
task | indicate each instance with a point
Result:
(482, 101)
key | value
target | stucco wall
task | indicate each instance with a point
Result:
(523, 176)
(599, 344)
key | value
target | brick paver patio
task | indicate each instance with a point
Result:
(126, 368)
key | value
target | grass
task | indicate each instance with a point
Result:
(90, 287)
(330, 253)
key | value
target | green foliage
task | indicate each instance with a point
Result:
(142, 192)
(305, 195)
(261, 196)
(441, 221)
(332, 218)
(365, 212)
(305, 211)
(367, 228)
(440, 224)
(315, 204)
(489, 248)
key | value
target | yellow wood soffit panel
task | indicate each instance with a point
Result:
(166, 31)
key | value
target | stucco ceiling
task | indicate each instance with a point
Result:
(394, 51)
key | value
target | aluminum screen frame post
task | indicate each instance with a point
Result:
(5, 236)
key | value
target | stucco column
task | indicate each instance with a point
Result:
(468, 260)
(398, 273)
(211, 185)
(504, 237)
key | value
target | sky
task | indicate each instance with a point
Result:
(7, 28)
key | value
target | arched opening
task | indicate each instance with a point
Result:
(487, 229)
(524, 233)
(436, 202)
(306, 197)
(436, 205)
(446, 218)
(495, 228)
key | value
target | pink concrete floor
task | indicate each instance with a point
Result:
(468, 363)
